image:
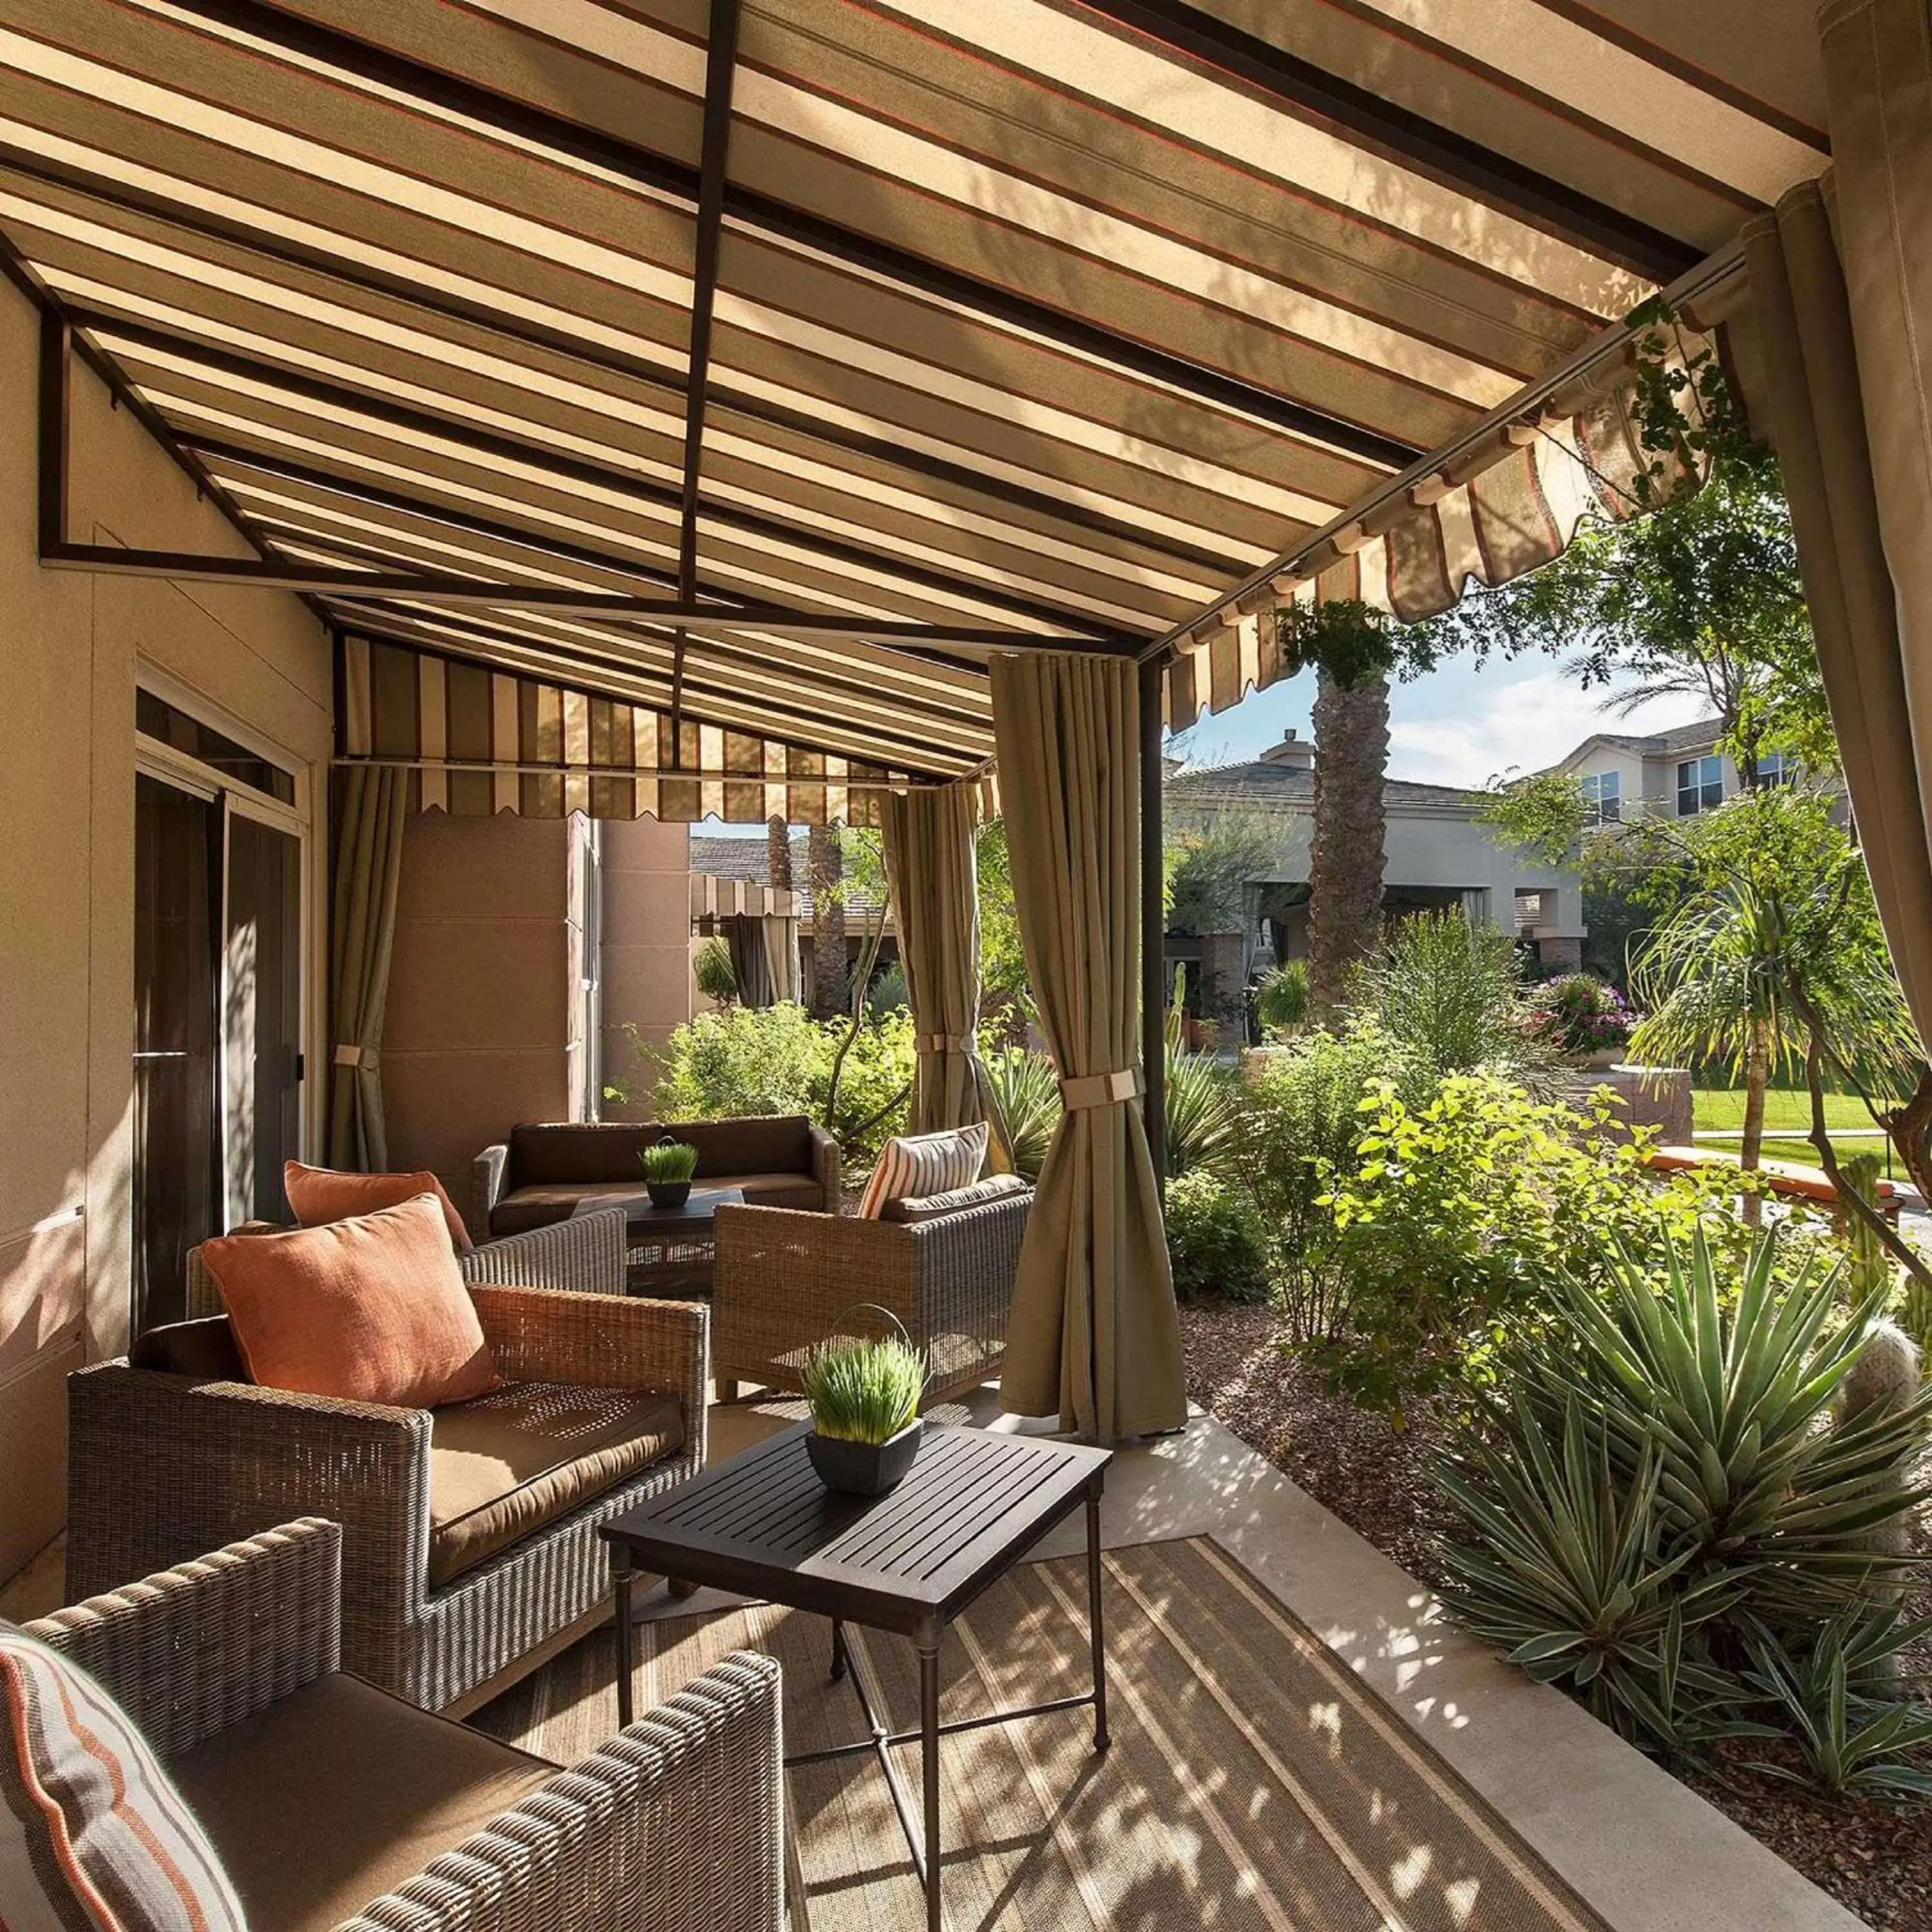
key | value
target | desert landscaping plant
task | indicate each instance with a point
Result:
(1214, 1241)
(1024, 1089)
(716, 977)
(1281, 998)
(1699, 1466)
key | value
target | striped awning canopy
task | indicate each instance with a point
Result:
(773, 361)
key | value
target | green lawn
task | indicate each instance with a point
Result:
(1788, 1108)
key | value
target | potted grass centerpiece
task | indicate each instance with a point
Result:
(668, 1167)
(864, 1396)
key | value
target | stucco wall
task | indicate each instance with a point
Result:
(481, 1031)
(70, 646)
(646, 978)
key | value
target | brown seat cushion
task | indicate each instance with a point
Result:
(504, 1464)
(373, 1309)
(204, 1348)
(523, 1208)
(318, 1196)
(339, 1792)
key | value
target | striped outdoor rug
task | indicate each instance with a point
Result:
(1253, 1781)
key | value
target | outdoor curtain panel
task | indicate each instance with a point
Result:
(362, 931)
(1093, 1333)
(1845, 324)
(929, 836)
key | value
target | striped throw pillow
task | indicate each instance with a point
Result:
(93, 1836)
(920, 1164)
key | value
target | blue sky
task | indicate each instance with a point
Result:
(1457, 726)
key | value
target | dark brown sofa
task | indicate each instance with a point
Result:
(543, 1173)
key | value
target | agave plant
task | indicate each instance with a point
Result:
(1024, 1089)
(1852, 1744)
(1567, 1572)
(1730, 1396)
(1203, 1110)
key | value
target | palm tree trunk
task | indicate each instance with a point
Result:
(1347, 855)
(825, 865)
(1757, 1079)
(778, 854)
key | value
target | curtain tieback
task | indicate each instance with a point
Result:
(941, 1042)
(1102, 1090)
(364, 1058)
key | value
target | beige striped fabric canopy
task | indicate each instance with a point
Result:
(909, 331)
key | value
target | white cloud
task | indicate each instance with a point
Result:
(1495, 724)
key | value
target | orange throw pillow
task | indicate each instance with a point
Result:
(371, 1310)
(321, 1194)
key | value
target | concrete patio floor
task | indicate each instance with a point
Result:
(1646, 1853)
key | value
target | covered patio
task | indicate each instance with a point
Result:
(549, 411)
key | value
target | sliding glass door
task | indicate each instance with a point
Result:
(218, 1002)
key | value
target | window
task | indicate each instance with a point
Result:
(155, 717)
(1700, 785)
(1602, 798)
(1773, 768)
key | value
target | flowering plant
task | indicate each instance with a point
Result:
(1582, 1014)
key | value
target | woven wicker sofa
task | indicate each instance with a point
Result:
(543, 1175)
(469, 1532)
(783, 1280)
(333, 1805)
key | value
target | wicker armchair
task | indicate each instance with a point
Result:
(228, 1666)
(783, 1280)
(163, 1464)
(586, 1255)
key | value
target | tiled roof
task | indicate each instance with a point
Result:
(1693, 737)
(1265, 783)
(751, 858)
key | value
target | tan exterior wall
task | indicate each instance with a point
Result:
(645, 979)
(71, 646)
(481, 1030)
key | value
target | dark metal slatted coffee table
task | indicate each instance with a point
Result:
(760, 1525)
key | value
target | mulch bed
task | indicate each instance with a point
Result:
(1875, 1858)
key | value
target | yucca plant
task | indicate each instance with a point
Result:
(1024, 1089)
(1566, 1570)
(866, 1391)
(1731, 1396)
(1203, 1111)
(1662, 1500)
(1852, 1744)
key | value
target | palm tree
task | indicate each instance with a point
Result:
(778, 853)
(1777, 932)
(1347, 855)
(825, 867)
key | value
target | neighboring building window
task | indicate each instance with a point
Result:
(1773, 768)
(1602, 798)
(1700, 786)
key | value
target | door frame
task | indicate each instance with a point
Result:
(164, 762)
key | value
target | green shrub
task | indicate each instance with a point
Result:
(1300, 1120)
(1460, 1214)
(1700, 1525)
(1452, 994)
(887, 993)
(1214, 1241)
(744, 1061)
(1024, 1089)
(1281, 998)
(717, 978)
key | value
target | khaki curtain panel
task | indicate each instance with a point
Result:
(362, 931)
(929, 840)
(1841, 292)
(1093, 1333)
(781, 944)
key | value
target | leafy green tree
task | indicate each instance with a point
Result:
(1214, 860)
(1005, 996)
